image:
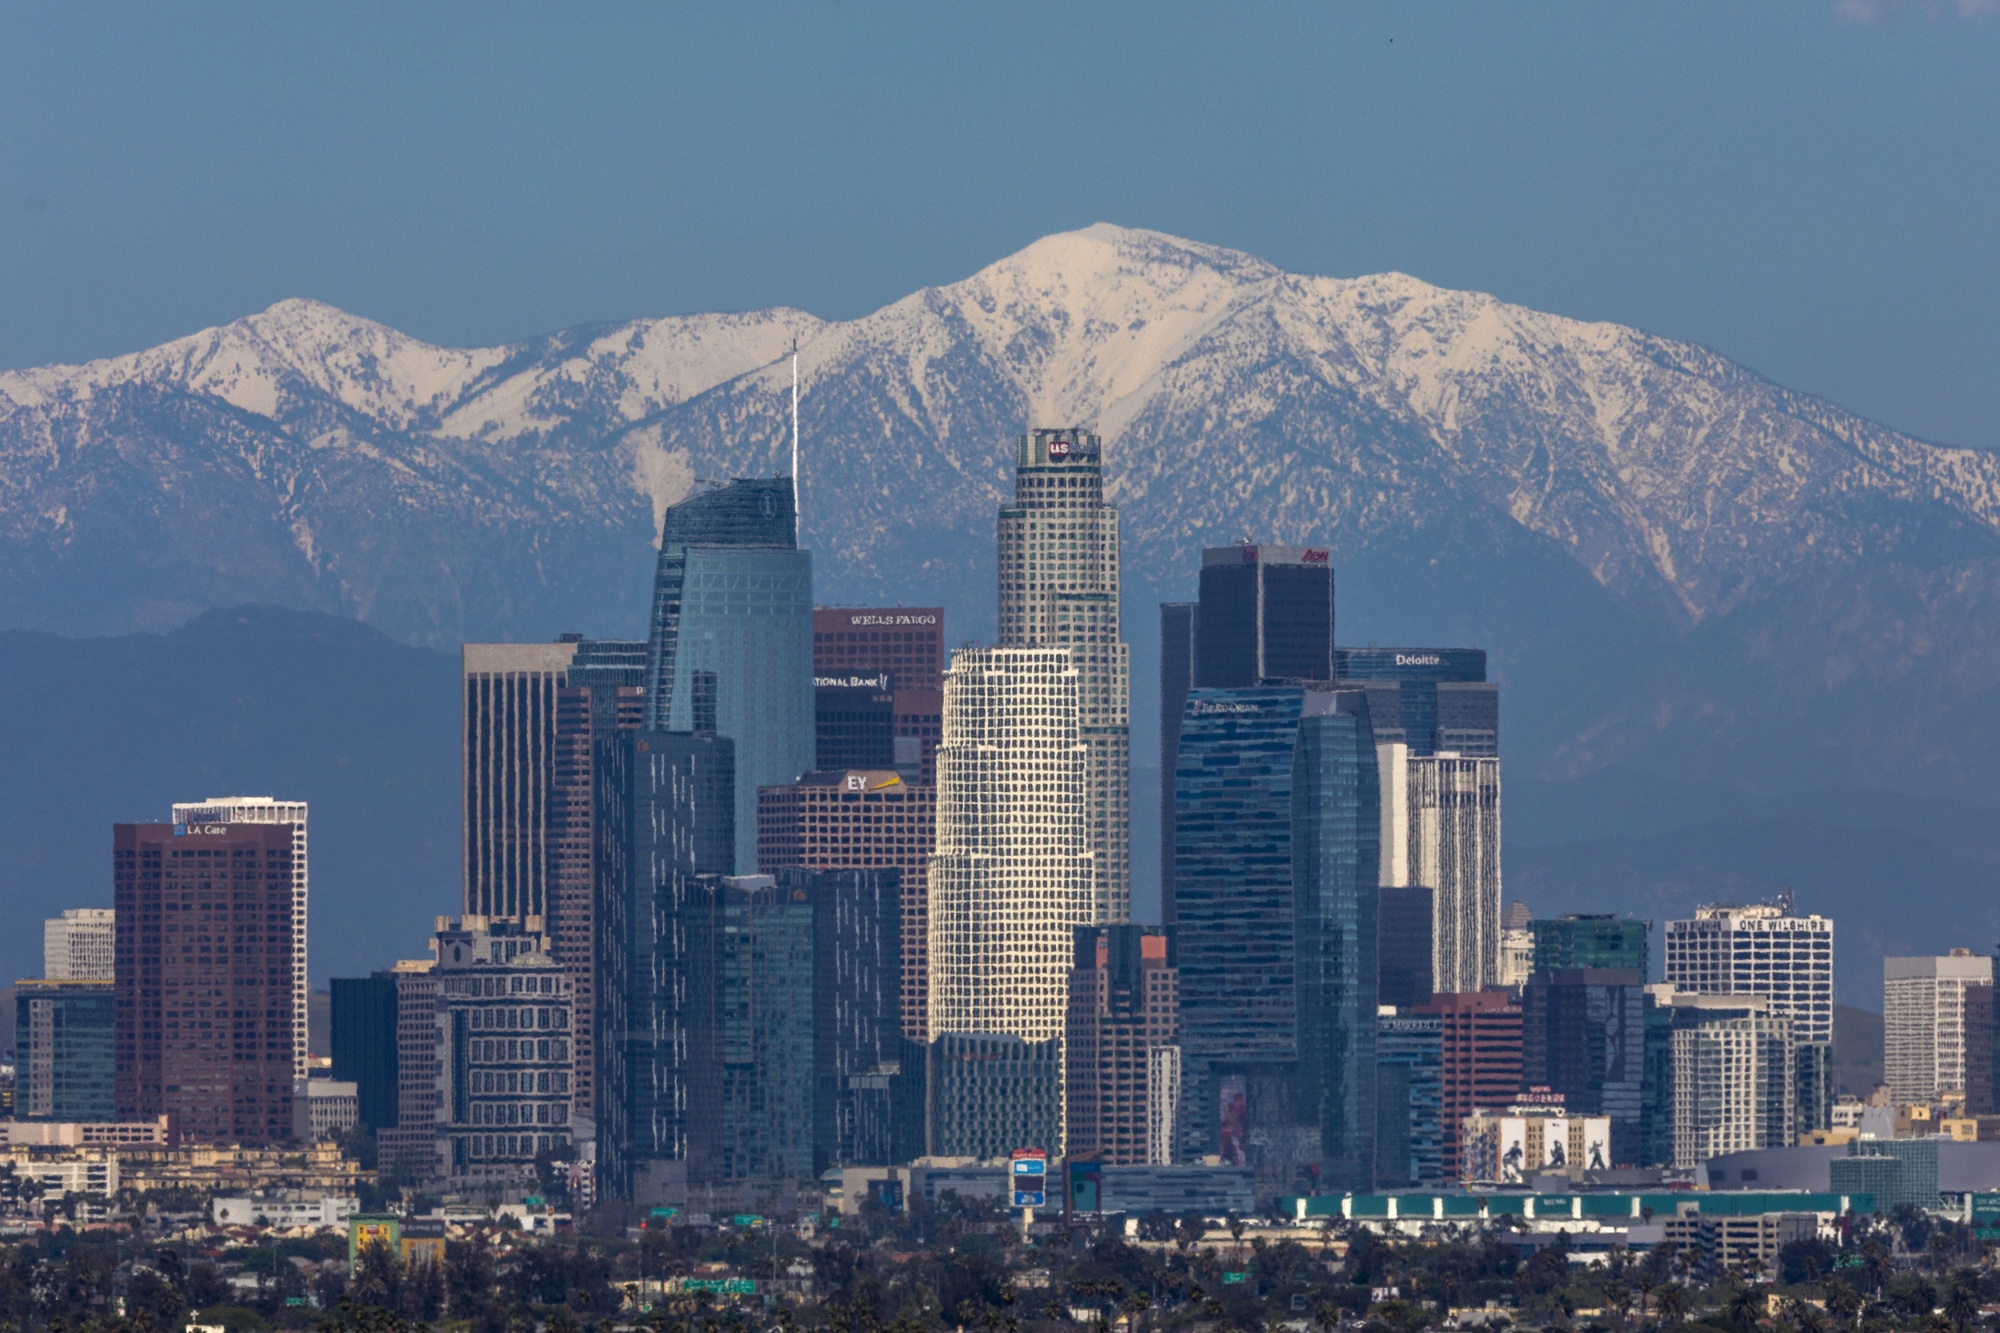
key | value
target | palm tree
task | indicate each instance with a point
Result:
(1806, 1317)
(1745, 1307)
(1672, 1304)
(1961, 1304)
(1843, 1302)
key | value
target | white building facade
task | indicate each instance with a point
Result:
(1734, 1080)
(1011, 875)
(1759, 950)
(79, 945)
(1923, 1022)
(270, 810)
(1454, 848)
(1059, 580)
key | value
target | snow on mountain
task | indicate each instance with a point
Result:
(1584, 479)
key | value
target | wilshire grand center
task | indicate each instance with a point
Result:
(1059, 589)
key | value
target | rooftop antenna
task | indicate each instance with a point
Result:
(795, 438)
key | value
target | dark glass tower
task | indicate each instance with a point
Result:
(1409, 1097)
(63, 1064)
(854, 718)
(1176, 679)
(1438, 699)
(1589, 941)
(1583, 1034)
(1336, 826)
(1266, 614)
(363, 1033)
(867, 1080)
(665, 810)
(1274, 873)
(731, 643)
(1404, 945)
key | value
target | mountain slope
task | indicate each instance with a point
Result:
(1677, 563)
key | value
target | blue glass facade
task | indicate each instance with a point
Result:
(664, 806)
(63, 1055)
(731, 640)
(1583, 1034)
(363, 1035)
(1409, 1095)
(1440, 699)
(1336, 830)
(867, 1078)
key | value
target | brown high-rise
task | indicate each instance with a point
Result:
(861, 820)
(1481, 1063)
(907, 642)
(604, 694)
(203, 1032)
(1123, 1054)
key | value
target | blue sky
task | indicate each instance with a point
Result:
(1813, 192)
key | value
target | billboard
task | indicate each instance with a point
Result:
(1512, 1157)
(1232, 1105)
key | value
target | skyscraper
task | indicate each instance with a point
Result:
(1454, 822)
(363, 1033)
(858, 820)
(868, 1077)
(1733, 1084)
(1924, 1024)
(731, 649)
(906, 643)
(1409, 1096)
(1277, 920)
(1010, 878)
(665, 806)
(504, 1046)
(1583, 1034)
(1124, 1028)
(1586, 941)
(1266, 615)
(1767, 950)
(509, 692)
(79, 945)
(409, 1151)
(1059, 589)
(63, 1050)
(1403, 948)
(1438, 697)
(1011, 874)
(603, 693)
(750, 1072)
(204, 1029)
(1177, 621)
(1480, 1055)
(266, 810)
(854, 720)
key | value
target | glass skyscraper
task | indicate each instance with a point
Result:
(1432, 699)
(63, 1059)
(731, 644)
(665, 810)
(1275, 852)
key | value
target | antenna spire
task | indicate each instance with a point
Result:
(795, 438)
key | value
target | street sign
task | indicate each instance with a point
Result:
(1030, 1199)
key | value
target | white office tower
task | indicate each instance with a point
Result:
(1011, 873)
(1923, 1022)
(1392, 768)
(1454, 848)
(1059, 588)
(268, 810)
(1761, 950)
(79, 944)
(1734, 1076)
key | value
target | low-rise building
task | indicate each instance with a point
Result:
(285, 1211)
(1734, 1243)
(324, 1108)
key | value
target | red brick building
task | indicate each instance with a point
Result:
(1481, 1060)
(1122, 1058)
(203, 1029)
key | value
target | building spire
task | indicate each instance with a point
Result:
(795, 438)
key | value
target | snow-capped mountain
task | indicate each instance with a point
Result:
(1663, 548)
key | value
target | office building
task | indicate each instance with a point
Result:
(509, 694)
(750, 1080)
(905, 643)
(1895, 1171)
(362, 1028)
(665, 811)
(1335, 856)
(1059, 589)
(205, 987)
(861, 820)
(324, 1108)
(1177, 622)
(732, 640)
(1924, 1022)
(1409, 1099)
(988, 1093)
(1123, 1031)
(1582, 941)
(505, 1060)
(1403, 945)
(266, 810)
(79, 945)
(854, 721)
(1012, 871)
(63, 1050)
(1771, 951)
(1517, 958)
(1265, 615)
(868, 1073)
(1979, 1039)
(1435, 700)
(1583, 1035)
(603, 693)
(1479, 1060)
(1454, 847)
(409, 1151)
(1733, 1084)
